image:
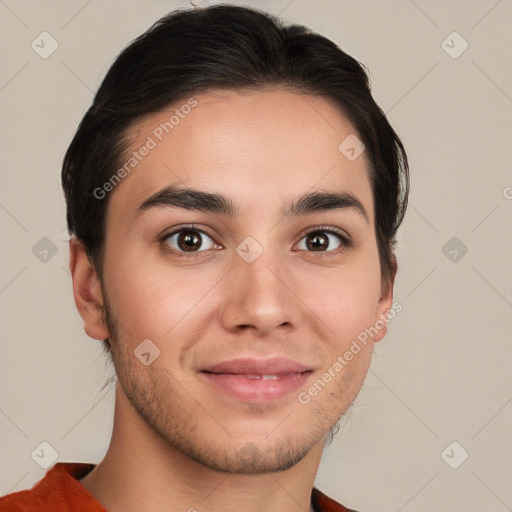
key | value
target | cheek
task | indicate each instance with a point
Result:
(344, 299)
(152, 300)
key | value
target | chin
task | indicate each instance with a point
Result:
(251, 458)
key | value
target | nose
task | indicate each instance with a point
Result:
(260, 296)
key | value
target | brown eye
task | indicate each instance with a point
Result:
(321, 241)
(189, 240)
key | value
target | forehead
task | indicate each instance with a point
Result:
(257, 147)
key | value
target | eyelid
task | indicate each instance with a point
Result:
(328, 229)
(182, 227)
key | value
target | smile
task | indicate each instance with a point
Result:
(254, 387)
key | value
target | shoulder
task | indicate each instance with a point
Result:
(21, 501)
(58, 490)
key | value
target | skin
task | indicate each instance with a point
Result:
(178, 443)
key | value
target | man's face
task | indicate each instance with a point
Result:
(253, 284)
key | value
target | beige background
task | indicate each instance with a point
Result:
(443, 373)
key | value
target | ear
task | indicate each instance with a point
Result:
(385, 303)
(87, 291)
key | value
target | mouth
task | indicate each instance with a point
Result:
(257, 381)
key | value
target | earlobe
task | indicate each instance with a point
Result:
(87, 291)
(385, 303)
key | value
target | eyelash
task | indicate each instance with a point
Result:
(346, 242)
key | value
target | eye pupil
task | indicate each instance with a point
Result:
(316, 241)
(189, 241)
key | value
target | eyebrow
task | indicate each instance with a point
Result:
(192, 199)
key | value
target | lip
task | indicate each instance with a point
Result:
(276, 365)
(243, 378)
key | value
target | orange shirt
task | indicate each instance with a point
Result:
(60, 491)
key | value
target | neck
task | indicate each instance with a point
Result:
(141, 471)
